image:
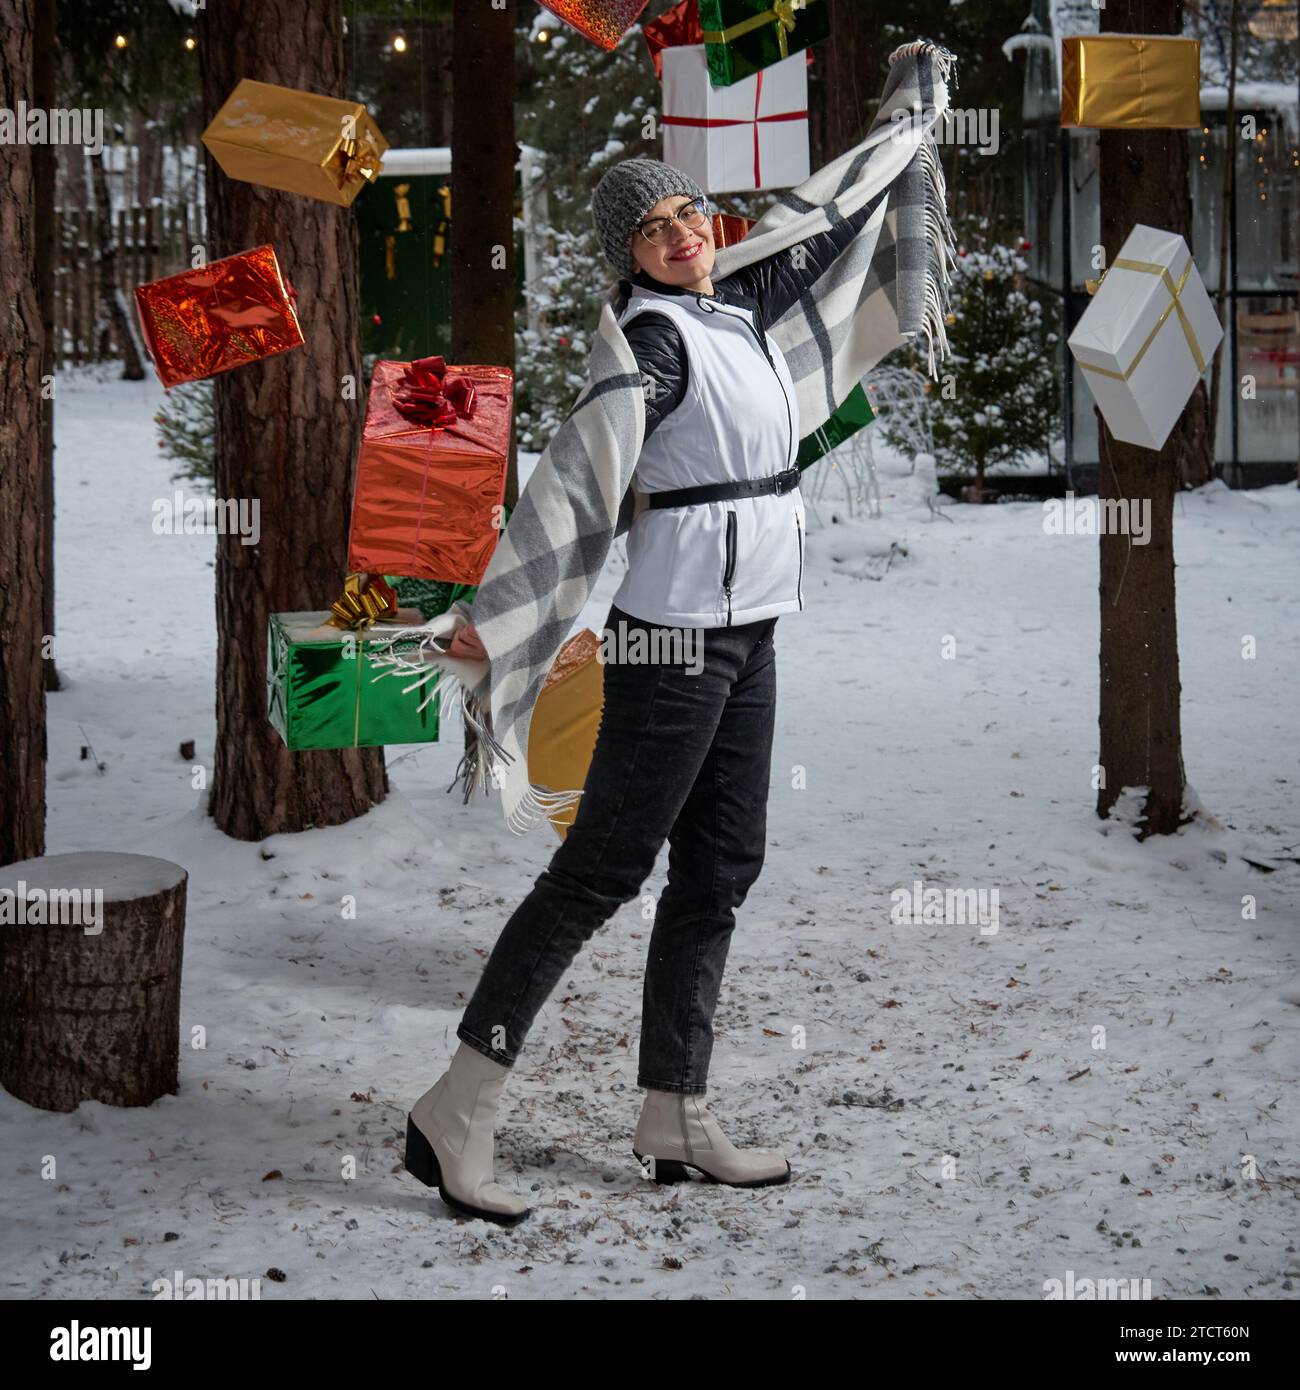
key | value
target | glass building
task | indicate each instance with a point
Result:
(1258, 437)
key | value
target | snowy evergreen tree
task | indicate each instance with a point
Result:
(997, 400)
(584, 109)
(187, 432)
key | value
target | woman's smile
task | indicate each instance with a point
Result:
(689, 253)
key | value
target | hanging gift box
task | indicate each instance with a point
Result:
(299, 142)
(602, 21)
(1130, 82)
(676, 27)
(223, 315)
(855, 414)
(750, 135)
(728, 228)
(741, 37)
(1146, 337)
(429, 597)
(566, 720)
(322, 691)
(673, 29)
(432, 470)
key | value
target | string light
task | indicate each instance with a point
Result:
(191, 43)
(543, 36)
(399, 44)
(119, 41)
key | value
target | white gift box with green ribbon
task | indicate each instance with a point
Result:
(1147, 337)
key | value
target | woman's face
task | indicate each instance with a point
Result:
(684, 256)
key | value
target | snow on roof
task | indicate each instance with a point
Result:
(430, 159)
(1023, 43)
(1068, 17)
(1278, 97)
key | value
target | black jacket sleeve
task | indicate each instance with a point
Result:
(661, 355)
(775, 283)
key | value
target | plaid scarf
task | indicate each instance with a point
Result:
(889, 285)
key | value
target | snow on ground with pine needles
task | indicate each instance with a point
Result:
(1098, 1084)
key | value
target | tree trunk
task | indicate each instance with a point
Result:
(1196, 454)
(45, 170)
(22, 490)
(1143, 179)
(285, 435)
(484, 153)
(112, 301)
(483, 200)
(90, 1002)
(845, 78)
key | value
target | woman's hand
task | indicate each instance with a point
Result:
(466, 644)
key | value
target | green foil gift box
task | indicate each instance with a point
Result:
(322, 692)
(741, 37)
(853, 415)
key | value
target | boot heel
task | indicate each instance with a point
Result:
(421, 1161)
(662, 1169)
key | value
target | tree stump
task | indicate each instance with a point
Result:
(90, 978)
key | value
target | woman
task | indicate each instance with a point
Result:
(683, 752)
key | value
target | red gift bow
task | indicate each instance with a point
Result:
(730, 120)
(426, 396)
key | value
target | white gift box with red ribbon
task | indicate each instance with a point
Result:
(753, 134)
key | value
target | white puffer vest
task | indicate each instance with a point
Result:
(717, 564)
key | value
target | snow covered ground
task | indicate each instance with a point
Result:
(1083, 1092)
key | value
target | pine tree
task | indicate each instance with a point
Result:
(998, 397)
(585, 109)
(187, 432)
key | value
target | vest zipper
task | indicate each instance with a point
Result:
(789, 419)
(729, 568)
(798, 526)
(762, 343)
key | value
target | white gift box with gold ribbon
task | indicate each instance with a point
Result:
(1147, 337)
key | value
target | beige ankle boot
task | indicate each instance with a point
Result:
(450, 1135)
(677, 1132)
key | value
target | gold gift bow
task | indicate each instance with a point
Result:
(781, 14)
(1175, 304)
(358, 156)
(362, 603)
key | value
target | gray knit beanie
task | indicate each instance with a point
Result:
(623, 197)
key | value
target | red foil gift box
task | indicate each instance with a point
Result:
(430, 481)
(602, 21)
(673, 29)
(728, 228)
(221, 316)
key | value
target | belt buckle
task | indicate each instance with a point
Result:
(787, 480)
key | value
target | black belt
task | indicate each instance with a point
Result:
(724, 492)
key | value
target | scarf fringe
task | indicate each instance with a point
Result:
(540, 804)
(940, 260)
(485, 758)
(944, 61)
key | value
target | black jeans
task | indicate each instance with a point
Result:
(683, 754)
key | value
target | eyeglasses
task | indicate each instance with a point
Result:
(690, 215)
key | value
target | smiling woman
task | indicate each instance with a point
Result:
(683, 750)
(674, 243)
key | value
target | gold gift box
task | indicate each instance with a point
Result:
(566, 720)
(322, 147)
(1130, 82)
